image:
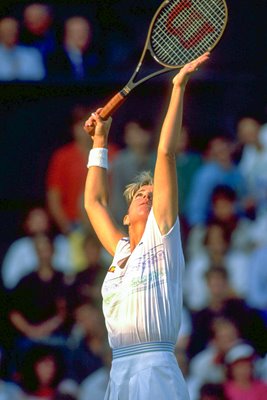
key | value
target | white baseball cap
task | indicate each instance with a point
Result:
(239, 352)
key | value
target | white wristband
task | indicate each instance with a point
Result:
(98, 157)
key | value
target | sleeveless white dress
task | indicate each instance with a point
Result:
(142, 305)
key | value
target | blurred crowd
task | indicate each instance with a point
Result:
(40, 43)
(53, 342)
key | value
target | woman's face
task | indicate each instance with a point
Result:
(140, 205)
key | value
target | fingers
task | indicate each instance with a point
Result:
(90, 123)
(96, 125)
(200, 60)
(194, 65)
(197, 63)
(93, 120)
(184, 74)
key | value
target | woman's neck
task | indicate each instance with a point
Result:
(135, 234)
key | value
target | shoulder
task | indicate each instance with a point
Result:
(21, 244)
(27, 52)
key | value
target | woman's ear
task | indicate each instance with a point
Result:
(126, 220)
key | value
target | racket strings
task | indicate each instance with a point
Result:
(185, 29)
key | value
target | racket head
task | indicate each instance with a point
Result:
(183, 30)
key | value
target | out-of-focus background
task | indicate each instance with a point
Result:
(61, 60)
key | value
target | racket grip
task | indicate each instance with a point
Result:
(114, 103)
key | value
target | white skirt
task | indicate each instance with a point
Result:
(151, 375)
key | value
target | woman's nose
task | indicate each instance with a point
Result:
(148, 196)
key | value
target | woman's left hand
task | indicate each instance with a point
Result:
(184, 74)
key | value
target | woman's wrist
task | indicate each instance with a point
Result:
(100, 141)
(98, 157)
(179, 85)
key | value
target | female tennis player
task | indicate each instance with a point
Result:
(142, 291)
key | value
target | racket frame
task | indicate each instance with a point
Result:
(118, 99)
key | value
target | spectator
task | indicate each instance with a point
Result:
(38, 305)
(8, 390)
(208, 365)
(95, 385)
(76, 59)
(85, 284)
(223, 303)
(216, 251)
(42, 371)
(90, 336)
(217, 170)
(187, 163)
(17, 62)
(253, 162)
(241, 382)
(224, 211)
(21, 258)
(257, 283)
(135, 157)
(66, 176)
(38, 30)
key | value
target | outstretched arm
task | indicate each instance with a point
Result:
(165, 195)
(96, 189)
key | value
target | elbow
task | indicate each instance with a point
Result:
(92, 203)
(167, 152)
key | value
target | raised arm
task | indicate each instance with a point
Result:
(96, 188)
(165, 194)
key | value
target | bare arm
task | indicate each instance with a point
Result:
(35, 331)
(165, 195)
(96, 190)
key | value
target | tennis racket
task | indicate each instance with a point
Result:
(180, 31)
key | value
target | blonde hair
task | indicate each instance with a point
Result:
(144, 178)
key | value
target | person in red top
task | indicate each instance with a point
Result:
(66, 176)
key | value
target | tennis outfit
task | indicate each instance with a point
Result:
(142, 304)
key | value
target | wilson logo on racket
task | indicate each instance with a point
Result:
(193, 20)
